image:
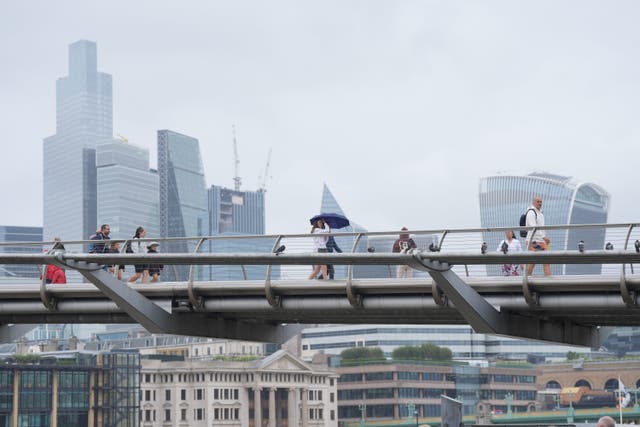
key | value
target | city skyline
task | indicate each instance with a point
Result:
(419, 92)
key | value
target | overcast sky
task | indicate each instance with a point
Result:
(399, 106)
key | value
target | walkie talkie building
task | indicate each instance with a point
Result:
(503, 198)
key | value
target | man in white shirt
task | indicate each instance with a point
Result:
(539, 240)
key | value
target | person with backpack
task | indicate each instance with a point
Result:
(404, 244)
(135, 246)
(539, 240)
(101, 234)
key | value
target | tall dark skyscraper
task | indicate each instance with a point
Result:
(84, 117)
(183, 194)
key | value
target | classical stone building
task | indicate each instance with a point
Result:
(277, 391)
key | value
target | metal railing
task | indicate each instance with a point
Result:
(436, 241)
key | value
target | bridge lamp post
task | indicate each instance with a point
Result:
(363, 412)
(415, 414)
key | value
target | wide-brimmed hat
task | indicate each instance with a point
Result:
(152, 244)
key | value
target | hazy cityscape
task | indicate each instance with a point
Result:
(239, 121)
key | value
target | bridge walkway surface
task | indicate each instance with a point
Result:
(263, 294)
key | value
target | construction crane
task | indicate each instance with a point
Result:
(265, 175)
(123, 139)
(237, 181)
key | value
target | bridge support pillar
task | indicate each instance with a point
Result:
(485, 318)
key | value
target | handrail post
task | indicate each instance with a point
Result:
(273, 299)
(354, 299)
(531, 298)
(196, 302)
(628, 296)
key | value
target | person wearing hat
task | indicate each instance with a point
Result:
(154, 269)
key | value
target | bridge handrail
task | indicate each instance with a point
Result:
(439, 231)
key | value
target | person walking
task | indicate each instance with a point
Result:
(138, 247)
(332, 246)
(114, 248)
(53, 273)
(403, 244)
(320, 228)
(154, 269)
(539, 240)
(510, 245)
(101, 234)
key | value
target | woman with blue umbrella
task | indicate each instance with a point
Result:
(321, 226)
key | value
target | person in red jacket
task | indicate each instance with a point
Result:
(54, 274)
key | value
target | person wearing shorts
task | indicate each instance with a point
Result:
(539, 241)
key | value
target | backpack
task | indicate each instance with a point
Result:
(523, 221)
(128, 249)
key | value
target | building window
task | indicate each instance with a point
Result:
(147, 395)
(183, 415)
(333, 415)
(147, 415)
(199, 394)
(199, 414)
(331, 397)
(183, 394)
(167, 414)
(167, 395)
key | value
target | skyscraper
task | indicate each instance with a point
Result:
(183, 194)
(83, 119)
(232, 212)
(504, 198)
(121, 204)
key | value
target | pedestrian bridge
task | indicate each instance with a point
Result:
(455, 282)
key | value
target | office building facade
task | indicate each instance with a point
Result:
(8, 234)
(84, 117)
(400, 390)
(71, 389)
(231, 211)
(503, 198)
(460, 339)
(183, 194)
(127, 190)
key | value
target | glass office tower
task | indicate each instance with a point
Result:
(183, 194)
(504, 198)
(232, 213)
(127, 189)
(83, 118)
(9, 234)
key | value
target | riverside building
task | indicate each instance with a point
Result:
(279, 390)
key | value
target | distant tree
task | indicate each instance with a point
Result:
(408, 352)
(362, 354)
(426, 351)
(572, 355)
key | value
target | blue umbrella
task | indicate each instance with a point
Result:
(334, 220)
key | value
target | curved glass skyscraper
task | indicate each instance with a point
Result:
(503, 198)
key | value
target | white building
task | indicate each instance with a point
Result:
(277, 391)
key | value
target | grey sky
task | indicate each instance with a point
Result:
(399, 106)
